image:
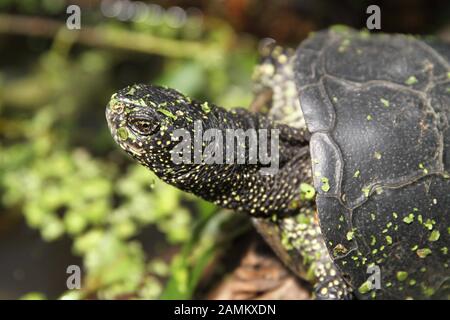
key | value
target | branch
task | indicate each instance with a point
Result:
(108, 37)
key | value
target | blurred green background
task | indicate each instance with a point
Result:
(68, 195)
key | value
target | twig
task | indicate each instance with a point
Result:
(104, 36)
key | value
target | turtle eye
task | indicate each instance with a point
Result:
(143, 126)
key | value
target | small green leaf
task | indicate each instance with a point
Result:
(307, 191)
(365, 287)
(366, 191)
(205, 107)
(402, 275)
(389, 239)
(423, 253)
(167, 113)
(411, 80)
(408, 219)
(384, 102)
(428, 224)
(325, 184)
(122, 133)
(350, 235)
(434, 236)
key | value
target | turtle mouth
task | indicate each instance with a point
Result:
(136, 152)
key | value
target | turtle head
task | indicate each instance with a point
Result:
(143, 118)
(163, 130)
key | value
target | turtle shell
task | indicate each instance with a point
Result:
(378, 108)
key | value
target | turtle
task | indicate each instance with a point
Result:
(359, 201)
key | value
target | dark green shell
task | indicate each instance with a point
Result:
(378, 108)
